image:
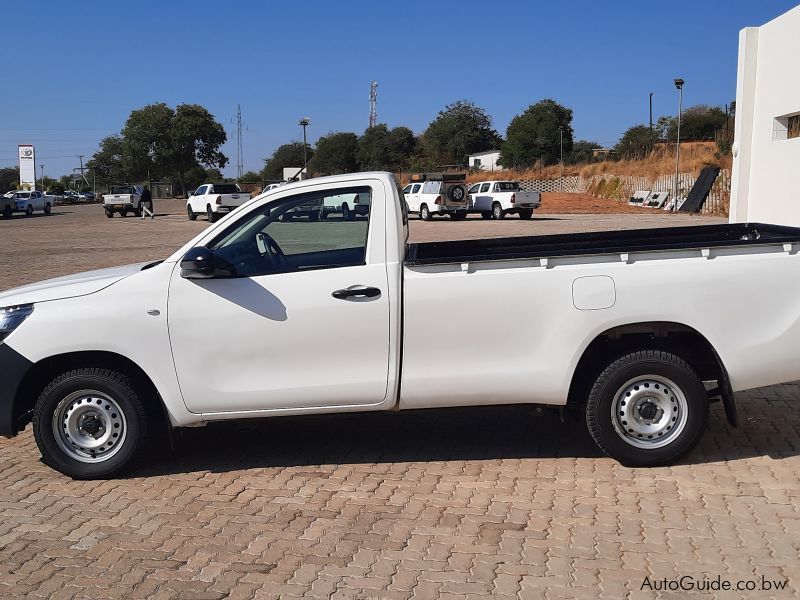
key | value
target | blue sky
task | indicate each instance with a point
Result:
(73, 71)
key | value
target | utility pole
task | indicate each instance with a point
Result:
(239, 153)
(679, 85)
(373, 104)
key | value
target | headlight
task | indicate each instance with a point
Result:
(12, 317)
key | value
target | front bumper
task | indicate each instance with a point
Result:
(13, 368)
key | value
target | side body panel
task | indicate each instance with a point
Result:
(512, 331)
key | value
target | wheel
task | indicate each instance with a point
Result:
(525, 213)
(210, 214)
(313, 215)
(456, 193)
(8, 212)
(191, 214)
(497, 211)
(486, 214)
(347, 214)
(47, 208)
(323, 214)
(647, 408)
(424, 213)
(123, 213)
(110, 214)
(29, 210)
(89, 423)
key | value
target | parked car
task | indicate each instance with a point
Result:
(7, 205)
(54, 198)
(28, 202)
(258, 318)
(272, 186)
(214, 200)
(496, 199)
(124, 199)
(348, 205)
(87, 196)
(430, 194)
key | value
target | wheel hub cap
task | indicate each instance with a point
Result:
(649, 411)
(89, 426)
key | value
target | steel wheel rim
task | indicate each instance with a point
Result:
(89, 426)
(649, 411)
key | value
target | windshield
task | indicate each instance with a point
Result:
(121, 189)
(507, 186)
(225, 188)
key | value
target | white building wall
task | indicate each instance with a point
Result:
(765, 183)
(488, 161)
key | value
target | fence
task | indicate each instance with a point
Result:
(622, 187)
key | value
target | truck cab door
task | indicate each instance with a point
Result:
(296, 316)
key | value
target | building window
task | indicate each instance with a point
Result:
(477, 162)
(786, 127)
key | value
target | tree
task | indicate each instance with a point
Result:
(636, 143)
(196, 139)
(250, 177)
(336, 153)
(459, 130)
(582, 152)
(534, 135)
(699, 122)
(401, 147)
(8, 175)
(373, 148)
(288, 155)
(108, 162)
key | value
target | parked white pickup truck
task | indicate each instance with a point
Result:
(496, 199)
(124, 199)
(215, 200)
(28, 202)
(638, 332)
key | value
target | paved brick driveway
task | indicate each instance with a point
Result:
(468, 503)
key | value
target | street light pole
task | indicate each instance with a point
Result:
(42, 167)
(679, 85)
(304, 123)
(561, 142)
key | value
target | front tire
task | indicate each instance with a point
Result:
(89, 423)
(486, 214)
(8, 212)
(190, 213)
(647, 408)
(29, 210)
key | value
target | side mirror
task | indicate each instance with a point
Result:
(198, 263)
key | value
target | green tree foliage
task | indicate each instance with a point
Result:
(250, 177)
(581, 152)
(8, 176)
(108, 162)
(699, 122)
(402, 146)
(459, 130)
(336, 153)
(373, 148)
(636, 143)
(161, 142)
(288, 155)
(534, 135)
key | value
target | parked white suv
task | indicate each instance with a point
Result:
(215, 200)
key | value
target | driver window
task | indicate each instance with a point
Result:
(298, 233)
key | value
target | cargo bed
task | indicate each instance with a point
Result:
(603, 242)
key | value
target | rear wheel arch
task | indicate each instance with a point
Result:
(44, 371)
(679, 339)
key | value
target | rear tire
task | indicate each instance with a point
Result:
(424, 213)
(210, 215)
(47, 208)
(110, 214)
(89, 423)
(347, 214)
(498, 212)
(486, 214)
(647, 408)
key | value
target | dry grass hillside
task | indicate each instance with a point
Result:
(694, 156)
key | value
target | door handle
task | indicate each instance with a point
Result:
(356, 291)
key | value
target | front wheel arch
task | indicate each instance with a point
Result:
(44, 371)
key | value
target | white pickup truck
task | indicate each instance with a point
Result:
(124, 199)
(28, 202)
(259, 317)
(215, 200)
(496, 199)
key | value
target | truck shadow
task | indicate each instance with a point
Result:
(769, 427)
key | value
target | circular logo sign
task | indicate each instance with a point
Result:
(27, 152)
